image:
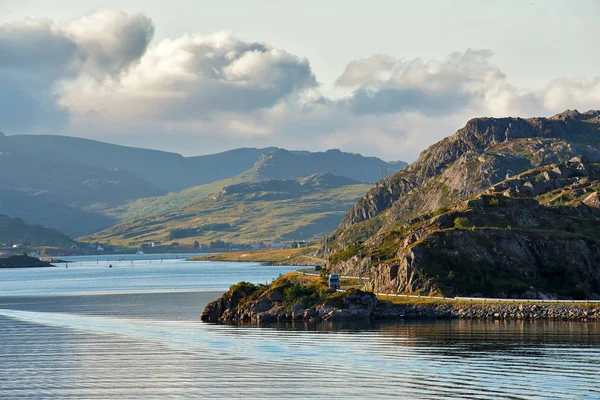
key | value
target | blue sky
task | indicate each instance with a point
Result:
(298, 80)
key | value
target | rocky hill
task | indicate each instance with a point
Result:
(293, 209)
(532, 220)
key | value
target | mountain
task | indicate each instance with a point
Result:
(532, 219)
(276, 165)
(172, 172)
(303, 208)
(56, 191)
(484, 152)
(81, 186)
(168, 171)
(15, 231)
(41, 208)
(283, 164)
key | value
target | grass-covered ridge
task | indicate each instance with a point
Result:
(281, 210)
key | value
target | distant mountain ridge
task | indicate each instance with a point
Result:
(81, 186)
(292, 209)
(168, 171)
(284, 164)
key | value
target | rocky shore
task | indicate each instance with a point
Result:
(298, 298)
(526, 311)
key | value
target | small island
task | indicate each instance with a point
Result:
(23, 261)
(298, 297)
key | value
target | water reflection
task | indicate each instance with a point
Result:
(154, 346)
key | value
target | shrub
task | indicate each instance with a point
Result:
(462, 223)
(440, 211)
(296, 291)
(493, 201)
(245, 287)
(346, 254)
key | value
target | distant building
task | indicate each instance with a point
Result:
(301, 243)
(175, 244)
(16, 246)
(276, 245)
(99, 248)
(155, 244)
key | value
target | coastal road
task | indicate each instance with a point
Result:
(467, 299)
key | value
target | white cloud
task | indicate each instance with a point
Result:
(37, 56)
(194, 78)
(110, 40)
(100, 76)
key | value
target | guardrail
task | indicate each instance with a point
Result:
(341, 276)
(460, 298)
(487, 299)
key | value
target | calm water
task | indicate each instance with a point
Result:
(133, 332)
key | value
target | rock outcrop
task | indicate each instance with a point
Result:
(290, 298)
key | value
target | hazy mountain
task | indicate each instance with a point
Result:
(168, 171)
(80, 186)
(55, 191)
(304, 208)
(40, 208)
(501, 205)
(15, 231)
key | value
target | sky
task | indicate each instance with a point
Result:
(382, 78)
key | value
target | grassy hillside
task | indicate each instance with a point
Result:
(279, 210)
(276, 165)
(143, 208)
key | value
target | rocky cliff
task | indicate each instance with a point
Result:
(504, 207)
(486, 151)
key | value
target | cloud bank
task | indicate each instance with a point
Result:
(102, 76)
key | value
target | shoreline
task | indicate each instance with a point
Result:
(301, 257)
(297, 297)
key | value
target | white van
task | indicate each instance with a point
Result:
(334, 281)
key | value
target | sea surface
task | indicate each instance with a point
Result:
(133, 331)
